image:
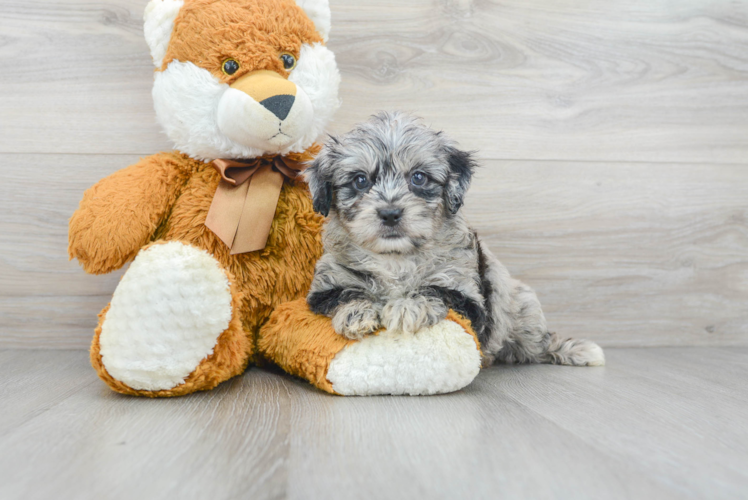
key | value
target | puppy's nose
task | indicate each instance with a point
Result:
(279, 105)
(390, 216)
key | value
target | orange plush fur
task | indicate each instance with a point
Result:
(304, 344)
(166, 197)
(207, 33)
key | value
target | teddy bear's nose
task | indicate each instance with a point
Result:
(279, 105)
(270, 90)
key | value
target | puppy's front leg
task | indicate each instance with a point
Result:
(410, 314)
(353, 314)
(356, 319)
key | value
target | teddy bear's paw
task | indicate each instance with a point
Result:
(436, 360)
(165, 317)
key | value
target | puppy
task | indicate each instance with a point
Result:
(398, 252)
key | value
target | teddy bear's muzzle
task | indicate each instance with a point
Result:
(269, 89)
(264, 84)
(279, 105)
(263, 109)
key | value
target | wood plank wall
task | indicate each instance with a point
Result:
(614, 139)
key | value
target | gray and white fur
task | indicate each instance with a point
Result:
(399, 252)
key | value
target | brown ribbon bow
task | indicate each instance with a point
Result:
(244, 205)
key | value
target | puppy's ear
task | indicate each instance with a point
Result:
(461, 168)
(320, 184)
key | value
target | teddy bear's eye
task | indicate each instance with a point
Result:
(289, 61)
(230, 66)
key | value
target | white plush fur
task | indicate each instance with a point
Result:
(188, 103)
(439, 359)
(317, 74)
(158, 24)
(165, 316)
(319, 12)
(247, 122)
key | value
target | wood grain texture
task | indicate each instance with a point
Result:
(624, 254)
(589, 80)
(35, 381)
(632, 252)
(516, 79)
(655, 423)
(227, 443)
(46, 300)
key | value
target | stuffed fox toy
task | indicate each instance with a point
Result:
(221, 234)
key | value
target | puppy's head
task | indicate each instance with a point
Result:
(391, 182)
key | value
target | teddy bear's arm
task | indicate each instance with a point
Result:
(120, 213)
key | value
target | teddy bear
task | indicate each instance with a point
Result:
(221, 234)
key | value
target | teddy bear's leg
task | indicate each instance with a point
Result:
(172, 326)
(436, 360)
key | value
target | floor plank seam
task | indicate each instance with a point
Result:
(39, 412)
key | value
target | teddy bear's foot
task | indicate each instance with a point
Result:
(435, 360)
(173, 325)
(438, 359)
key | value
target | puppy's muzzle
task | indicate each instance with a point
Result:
(272, 91)
(390, 216)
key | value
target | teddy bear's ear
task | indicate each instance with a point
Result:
(159, 22)
(319, 12)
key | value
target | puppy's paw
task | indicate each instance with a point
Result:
(356, 319)
(410, 314)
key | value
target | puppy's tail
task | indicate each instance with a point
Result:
(549, 348)
(517, 329)
(575, 352)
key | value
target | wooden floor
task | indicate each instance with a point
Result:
(655, 423)
(614, 143)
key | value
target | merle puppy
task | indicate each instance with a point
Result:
(399, 252)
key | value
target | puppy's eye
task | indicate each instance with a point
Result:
(361, 182)
(418, 179)
(289, 61)
(230, 66)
